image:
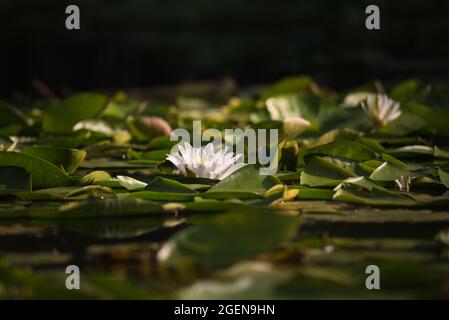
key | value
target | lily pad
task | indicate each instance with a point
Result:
(63, 115)
(66, 159)
(43, 173)
(246, 182)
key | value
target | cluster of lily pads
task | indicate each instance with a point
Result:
(91, 156)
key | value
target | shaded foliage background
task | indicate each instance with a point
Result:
(152, 42)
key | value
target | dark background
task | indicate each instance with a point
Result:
(141, 43)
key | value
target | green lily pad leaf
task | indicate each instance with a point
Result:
(407, 90)
(13, 179)
(289, 85)
(119, 110)
(95, 176)
(160, 184)
(372, 144)
(162, 189)
(66, 159)
(370, 165)
(12, 115)
(339, 148)
(161, 196)
(337, 134)
(110, 182)
(105, 149)
(63, 115)
(306, 193)
(246, 182)
(323, 113)
(131, 183)
(74, 141)
(161, 142)
(444, 177)
(43, 173)
(47, 194)
(156, 155)
(105, 163)
(435, 117)
(320, 172)
(413, 151)
(227, 238)
(354, 194)
(441, 153)
(388, 172)
(362, 182)
(90, 192)
(393, 160)
(406, 124)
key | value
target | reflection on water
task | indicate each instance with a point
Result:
(117, 259)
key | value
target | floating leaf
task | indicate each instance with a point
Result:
(95, 176)
(162, 189)
(441, 153)
(339, 148)
(246, 182)
(12, 115)
(289, 85)
(67, 159)
(63, 115)
(389, 172)
(444, 177)
(131, 183)
(320, 172)
(43, 173)
(321, 112)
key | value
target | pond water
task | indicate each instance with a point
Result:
(326, 258)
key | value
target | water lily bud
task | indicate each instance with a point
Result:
(146, 127)
(355, 99)
(294, 126)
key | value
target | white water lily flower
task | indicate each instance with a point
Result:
(294, 126)
(381, 109)
(205, 162)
